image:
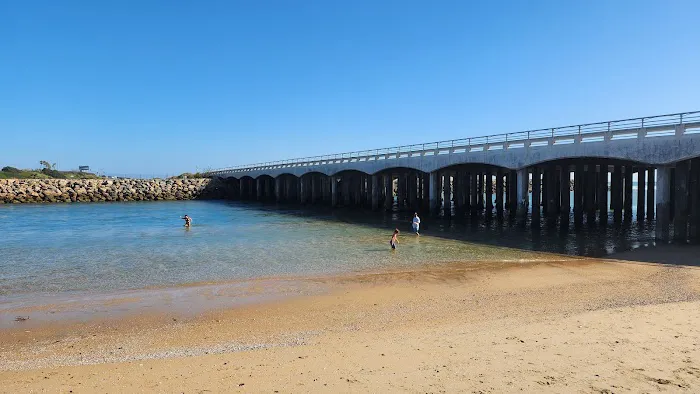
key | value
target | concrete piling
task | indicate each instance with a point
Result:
(590, 190)
(522, 179)
(651, 191)
(499, 194)
(628, 193)
(663, 203)
(489, 194)
(536, 195)
(641, 193)
(680, 217)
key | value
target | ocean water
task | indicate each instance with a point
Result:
(60, 249)
(93, 260)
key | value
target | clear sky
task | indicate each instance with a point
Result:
(162, 87)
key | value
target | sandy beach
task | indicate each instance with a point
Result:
(568, 325)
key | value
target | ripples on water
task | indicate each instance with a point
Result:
(64, 248)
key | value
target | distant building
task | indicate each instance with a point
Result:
(83, 168)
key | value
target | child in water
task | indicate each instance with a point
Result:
(394, 239)
(188, 220)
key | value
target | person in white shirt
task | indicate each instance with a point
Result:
(416, 223)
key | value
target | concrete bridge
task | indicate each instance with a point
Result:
(483, 177)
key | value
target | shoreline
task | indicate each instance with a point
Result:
(502, 328)
(192, 298)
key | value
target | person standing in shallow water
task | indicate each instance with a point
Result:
(416, 223)
(188, 220)
(394, 239)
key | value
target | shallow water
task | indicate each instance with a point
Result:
(61, 248)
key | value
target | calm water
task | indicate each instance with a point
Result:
(60, 249)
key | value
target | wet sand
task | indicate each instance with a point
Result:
(569, 325)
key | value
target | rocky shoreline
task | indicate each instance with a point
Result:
(96, 190)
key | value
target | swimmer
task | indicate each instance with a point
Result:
(188, 220)
(394, 239)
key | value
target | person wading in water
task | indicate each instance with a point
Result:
(394, 239)
(416, 223)
(188, 221)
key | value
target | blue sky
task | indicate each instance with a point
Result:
(163, 87)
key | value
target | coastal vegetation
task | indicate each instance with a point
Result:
(186, 175)
(48, 171)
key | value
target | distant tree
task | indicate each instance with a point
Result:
(47, 165)
(10, 169)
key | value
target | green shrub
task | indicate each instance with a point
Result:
(53, 173)
(10, 169)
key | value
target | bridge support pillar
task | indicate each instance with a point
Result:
(464, 191)
(388, 192)
(680, 217)
(641, 193)
(663, 203)
(590, 193)
(694, 200)
(474, 192)
(401, 190)
(245, 189)
(603, 193)
(232, 188)
(456, 191)
(361, 190)
(536, 195)
(325, 190)
(672, 200)
(579, 175)
(434, 192)
(499, 193)
(287, 190)
(294, 184)
(616, 186)
(556, 189)
(334, 191)
(552, 187)
(512, 193)
(314, 188)
(354, 190)
(413, 191)
(446, 193)
(242, 190)
(522, 180)
(345, 189)
(425, 192)
(489, 194)
(303, 190)
(507, 185)
(278, 189)
(480, 198)
(375, 192)
(628, 193)
(565, 193)
(545, 190)
(651, 191)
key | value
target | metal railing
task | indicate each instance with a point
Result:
(505, 141)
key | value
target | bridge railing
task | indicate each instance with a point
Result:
(490, 142)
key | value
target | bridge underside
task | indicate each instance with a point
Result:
(587, 179)
(589, 191)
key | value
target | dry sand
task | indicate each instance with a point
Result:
(562, 326)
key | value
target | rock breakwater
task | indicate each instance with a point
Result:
(93, 190)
